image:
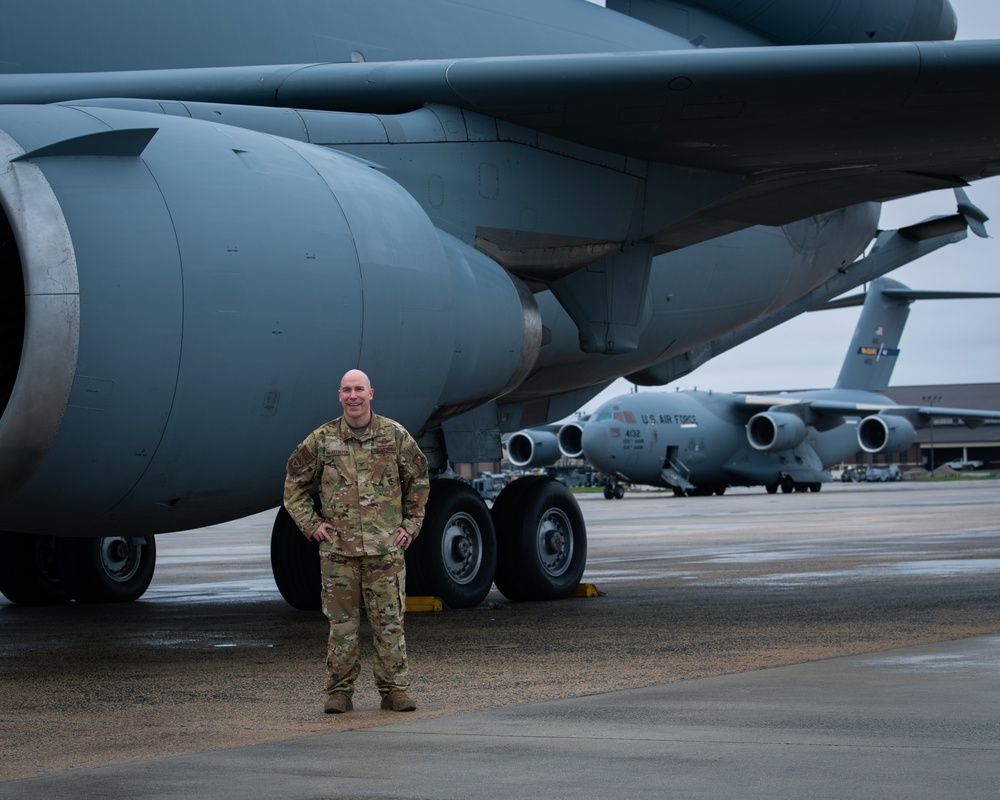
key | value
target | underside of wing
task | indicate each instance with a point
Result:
(829, 408)
(789, 131)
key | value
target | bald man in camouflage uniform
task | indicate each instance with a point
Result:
(373, 487)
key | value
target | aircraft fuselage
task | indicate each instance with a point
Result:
(697, 437)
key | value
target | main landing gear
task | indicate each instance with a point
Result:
(533, 544)
(788, 486)
(36, 570)
(613, 491)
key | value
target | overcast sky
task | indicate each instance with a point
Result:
(945, 341)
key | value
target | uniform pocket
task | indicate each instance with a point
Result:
(338, 472)
(383, 467)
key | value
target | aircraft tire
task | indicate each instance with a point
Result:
(28, 575)
(295, 564)
(416, 583)
(542, 540)
(455, 554)
(772, 488)
(609, 491)
(106, 569)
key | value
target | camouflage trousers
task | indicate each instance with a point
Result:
(381, 582)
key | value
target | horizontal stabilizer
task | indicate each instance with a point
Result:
(968, 216)
(938, 226)
(907, 295)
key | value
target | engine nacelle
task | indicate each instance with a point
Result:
(530, 449)
(192, 294)
(795, 22)
(885, 433)
(570, 438)
(775, 430)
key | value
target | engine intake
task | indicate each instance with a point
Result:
(775, 430)
(570, 438)
(533, 449)
(885, 433)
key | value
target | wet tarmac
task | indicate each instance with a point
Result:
(769, 643)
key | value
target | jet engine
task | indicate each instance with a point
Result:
(530, 449)
(885, 433)
(570, 438)
(181, 299)
(775, 430)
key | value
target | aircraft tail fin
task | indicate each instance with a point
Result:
(874, 348)
(872, 355)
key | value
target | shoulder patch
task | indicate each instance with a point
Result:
(299, 462)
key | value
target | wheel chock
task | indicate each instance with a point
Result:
(424, 604)
(586, 590)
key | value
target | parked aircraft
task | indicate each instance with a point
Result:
(699, 442)
(495, 208)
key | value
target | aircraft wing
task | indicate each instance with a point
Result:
(788, 131)
(972, 417)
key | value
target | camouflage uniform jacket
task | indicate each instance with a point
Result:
(369, 485)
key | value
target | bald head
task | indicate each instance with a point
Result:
(355, 377)
(356, 396)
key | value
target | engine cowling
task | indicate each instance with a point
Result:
(529, 449)
(885, 433)
(775, 430)
(192, 294)
(793, 22)
(570, 439)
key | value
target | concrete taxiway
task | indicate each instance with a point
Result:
(918, 722)
(837, 645)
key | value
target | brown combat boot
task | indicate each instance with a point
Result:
(397, 700)
(338, 703)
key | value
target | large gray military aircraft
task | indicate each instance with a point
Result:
(697, 442)
(212, 210)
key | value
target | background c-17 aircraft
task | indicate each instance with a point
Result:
(212, 210)
(703, 442)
